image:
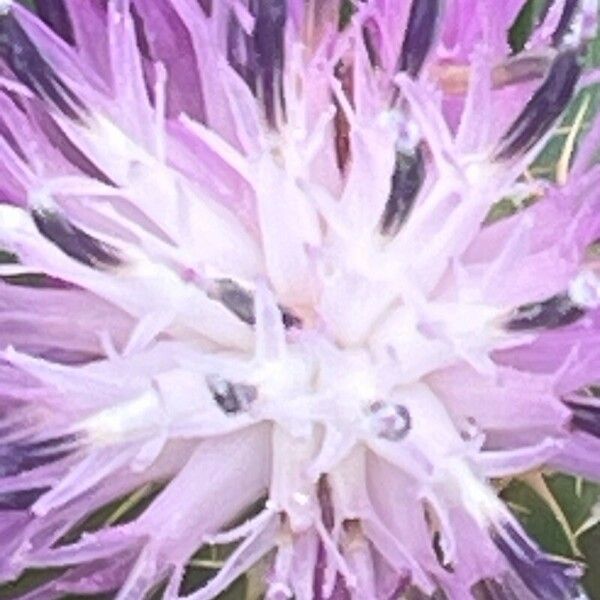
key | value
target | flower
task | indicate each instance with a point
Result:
(254, 278)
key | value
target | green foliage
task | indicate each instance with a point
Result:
(524, 24)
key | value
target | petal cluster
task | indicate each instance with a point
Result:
(254, 295)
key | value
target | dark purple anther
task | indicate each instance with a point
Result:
(544, 108)
(31, 69)
(20, 500)
(236, 299)
(420, 34)
(75, 242)
(565, 21)
(555, 312)
(407, 180)
(54, 13)
(544, 576)
(586, 417)
(240, 302)
(232, 398)
(289, 319)
(269, 53)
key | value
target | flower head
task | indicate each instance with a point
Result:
(254, 271)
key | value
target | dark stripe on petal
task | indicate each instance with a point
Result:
(420, 35)
(544, 576)
(555, 312)
(269, 48)
(28, 65)
(21, 500)
(565, 21)
(232, 398)
(54, 13)
(586, 417)
(407, 180)
(74, 242)
(544, 108)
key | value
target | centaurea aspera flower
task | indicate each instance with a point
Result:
(264, 275)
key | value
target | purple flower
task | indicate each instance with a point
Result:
(253, 265)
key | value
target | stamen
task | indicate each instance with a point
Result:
(420, 34)
(74, 242)
(31, 68)
(557, 311)
(544, 108)
(407, 180)
(231, 398)
(236, 299)
(289, 319)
